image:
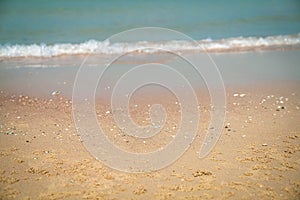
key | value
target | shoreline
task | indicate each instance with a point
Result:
(180, 44)
(68, 57)
(242, 69)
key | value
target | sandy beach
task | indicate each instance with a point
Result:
(257, 155)
(156, 100)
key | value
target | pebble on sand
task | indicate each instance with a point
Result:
(55, 93)
(280, 108)
(239, 95)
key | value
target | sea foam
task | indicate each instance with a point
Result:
(106, 47)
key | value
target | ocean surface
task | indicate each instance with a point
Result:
(45, 28)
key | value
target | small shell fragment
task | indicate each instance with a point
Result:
(55, 93)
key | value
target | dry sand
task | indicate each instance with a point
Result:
(257, 156)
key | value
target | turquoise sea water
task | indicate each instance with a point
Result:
(49, 22)
(45, 28)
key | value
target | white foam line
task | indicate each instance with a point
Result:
(105, 47)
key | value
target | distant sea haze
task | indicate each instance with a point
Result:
(62, 22)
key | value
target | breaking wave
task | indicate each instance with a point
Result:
(106, 47)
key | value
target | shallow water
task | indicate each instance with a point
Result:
(249, 68)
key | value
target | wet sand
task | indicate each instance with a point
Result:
(257, 156)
